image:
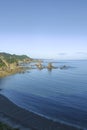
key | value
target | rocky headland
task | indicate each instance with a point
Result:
(11, 64)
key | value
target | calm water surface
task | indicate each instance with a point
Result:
(58, 94)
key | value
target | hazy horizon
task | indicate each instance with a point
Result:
(49, 29)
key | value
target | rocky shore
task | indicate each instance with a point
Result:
(21, 69)
(11, 64)
(8, 72)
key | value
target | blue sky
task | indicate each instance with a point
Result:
(44, 28)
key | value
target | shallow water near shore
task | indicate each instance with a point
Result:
(59, 95)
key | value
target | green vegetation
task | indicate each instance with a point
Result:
(13, 58)
(1, 63)
(10, 64)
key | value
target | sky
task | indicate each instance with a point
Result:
(55, 29)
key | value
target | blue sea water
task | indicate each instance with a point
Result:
(60, 95)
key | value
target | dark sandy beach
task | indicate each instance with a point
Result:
(28, 119)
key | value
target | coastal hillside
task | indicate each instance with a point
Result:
(6, 59)
(10, 64)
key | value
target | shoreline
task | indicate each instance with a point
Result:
(19, 69)
(26, 119)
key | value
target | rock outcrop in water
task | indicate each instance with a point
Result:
(50, 66)
(64, 67)
(10, 64)
(39, 65)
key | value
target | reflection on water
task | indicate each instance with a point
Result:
(56, 94)
(1, 83)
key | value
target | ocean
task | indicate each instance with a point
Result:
(59, 94)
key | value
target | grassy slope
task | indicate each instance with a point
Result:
(13, 58)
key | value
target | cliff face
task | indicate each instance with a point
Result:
(7, 60)
(10, 64)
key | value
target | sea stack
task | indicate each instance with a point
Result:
(50, 66)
